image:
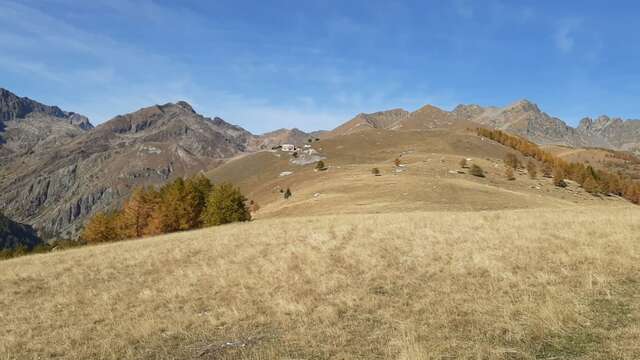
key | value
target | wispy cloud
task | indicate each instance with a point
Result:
(464, 8)
(565, 34)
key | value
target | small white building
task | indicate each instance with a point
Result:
(288, 147)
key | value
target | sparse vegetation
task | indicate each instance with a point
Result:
(476, 171)
(558, 178)
(607, 182)
(512, 161)
(532, 169)
(508, 173)
(536, 283)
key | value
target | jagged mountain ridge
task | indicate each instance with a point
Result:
(27, 126)
(523, 118)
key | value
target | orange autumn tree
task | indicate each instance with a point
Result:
(182, 204)
(592, 180)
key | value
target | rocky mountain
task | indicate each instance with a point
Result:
(27, 126)
(522, 118)
(613, 133)
(56, 186)
(13, 234)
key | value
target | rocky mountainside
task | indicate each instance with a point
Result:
(55, 188)
(13, 234)
(27, 126)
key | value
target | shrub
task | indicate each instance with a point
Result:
(396, 162)
(225, 204)
(511, 160)
(476, 171)
(375, 171)
(591, 186)
(547, 170)
(463, 163)
(532, 169)
(558, 178)
(508, 173)
(287, 193)
(320, 166)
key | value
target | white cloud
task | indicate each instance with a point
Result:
(565, 34)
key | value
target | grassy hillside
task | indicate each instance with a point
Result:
(517, 284)
(429, 178)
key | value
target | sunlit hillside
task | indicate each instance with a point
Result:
(517, 284)
(429, 177)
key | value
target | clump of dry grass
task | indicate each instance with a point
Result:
(526, 284)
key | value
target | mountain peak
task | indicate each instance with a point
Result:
(13, 107)
(523, 105)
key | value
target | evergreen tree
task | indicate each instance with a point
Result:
(225, 204)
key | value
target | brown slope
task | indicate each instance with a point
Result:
(282, 136)
(425, 183)
(58, 189)
(378, 120)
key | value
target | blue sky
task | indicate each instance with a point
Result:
(314, 64)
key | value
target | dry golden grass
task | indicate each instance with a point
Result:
(517, 284)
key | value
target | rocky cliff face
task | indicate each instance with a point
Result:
(56, 184)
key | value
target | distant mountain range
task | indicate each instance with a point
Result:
(522, 118)
(56, 169)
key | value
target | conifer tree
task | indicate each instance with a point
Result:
(225, 204)
(102, 227)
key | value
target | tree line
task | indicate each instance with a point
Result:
(182, 204)
(593, 180)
